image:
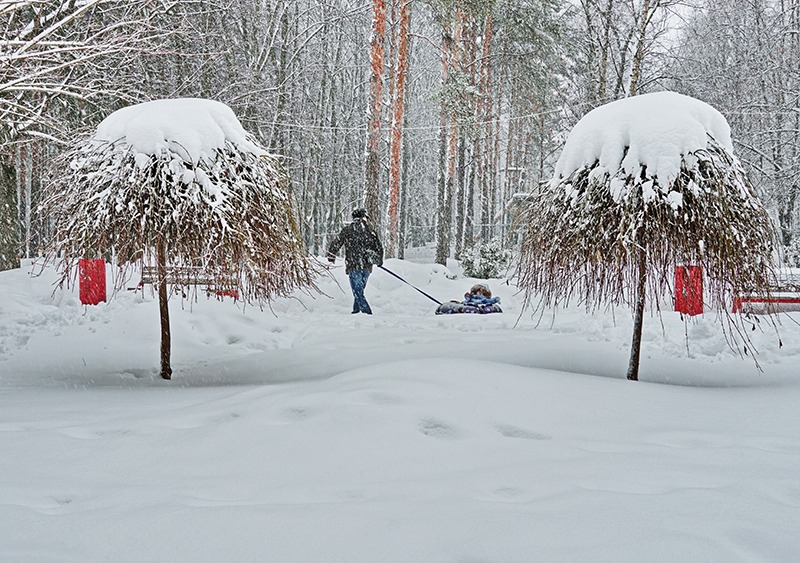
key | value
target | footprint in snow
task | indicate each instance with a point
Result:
(507, 492)
(510, 431)
(224, 417)
(296, 413)
(437, 429)
(381, 398)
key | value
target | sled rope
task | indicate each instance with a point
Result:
(388, 271)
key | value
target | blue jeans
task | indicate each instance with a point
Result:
(358, 281)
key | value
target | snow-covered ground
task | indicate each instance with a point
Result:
(306, 434)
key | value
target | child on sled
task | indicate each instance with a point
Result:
(479, 294)
(477, 300)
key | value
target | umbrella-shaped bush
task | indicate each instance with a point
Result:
(180, 183)
(643, 184)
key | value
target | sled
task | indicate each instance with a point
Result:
(454, 307)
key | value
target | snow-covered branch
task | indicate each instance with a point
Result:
(64, 50)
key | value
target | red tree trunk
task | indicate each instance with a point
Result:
(397, 124)
(372, 168)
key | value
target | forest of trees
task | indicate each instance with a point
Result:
(433, 114)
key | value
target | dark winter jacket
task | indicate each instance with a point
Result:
(362, 247)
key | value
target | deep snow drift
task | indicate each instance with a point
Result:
(304, 433)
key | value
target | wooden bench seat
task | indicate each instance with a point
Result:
(190, 275)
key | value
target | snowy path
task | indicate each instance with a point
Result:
(315, 435)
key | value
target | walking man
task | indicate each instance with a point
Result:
(362, 249)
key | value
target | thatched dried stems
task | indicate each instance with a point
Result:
(587, 236)
(229, 215)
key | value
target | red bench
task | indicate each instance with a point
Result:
(778, 302)
(783, 298)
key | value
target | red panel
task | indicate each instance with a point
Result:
(689, 290)
(92, 275)
(228, 293)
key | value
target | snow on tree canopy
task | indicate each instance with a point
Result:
(642, 136)
(644, 184)
(190, 127)
(180, 179)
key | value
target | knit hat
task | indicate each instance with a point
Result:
(481, 289)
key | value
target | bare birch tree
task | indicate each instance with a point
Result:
(742, 57)
(59, 60)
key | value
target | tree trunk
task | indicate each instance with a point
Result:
(452, 149)
(605, 48)
(397, 126)
(638, 319)
(443, 211)
(277, 138)
(372, 166)
(24, 189)
(450, 186)
(406, 172)
(469, 212)
(494, 167)
(471, 141)
(786, 215)
(638, 57)
(484, 155)
(460, 193)
(163, 308)
(9, 225)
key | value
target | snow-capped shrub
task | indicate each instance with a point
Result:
(486, 260)
(644, 184)
(581, 237)
(179, 183)
(791, 252)
(182, 176)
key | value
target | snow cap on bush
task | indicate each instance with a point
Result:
(190, 127)
(650, 131)
(645, 184)
(184, 176)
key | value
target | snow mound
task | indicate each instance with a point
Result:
(651, 130)
(190, 127)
